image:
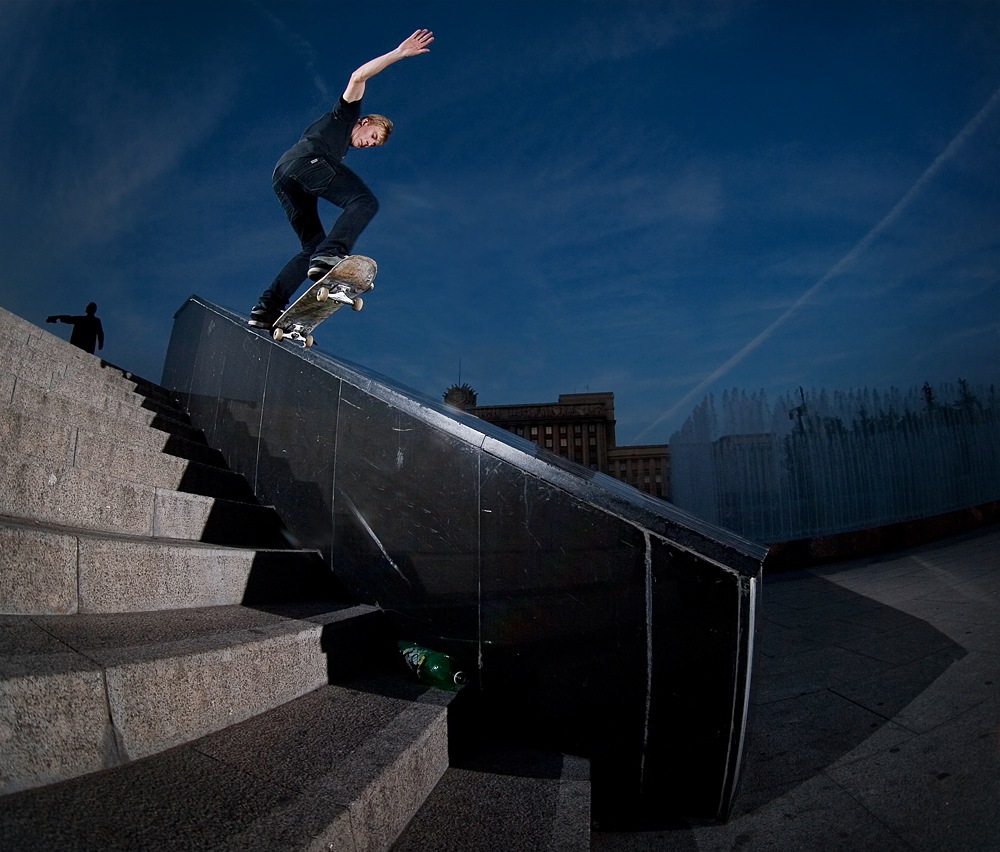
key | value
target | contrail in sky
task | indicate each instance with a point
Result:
(841, 265)
(302, 47)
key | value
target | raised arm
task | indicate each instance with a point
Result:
(416, 44)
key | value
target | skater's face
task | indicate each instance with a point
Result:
(367, 134)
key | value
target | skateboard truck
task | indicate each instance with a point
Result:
(340, 287)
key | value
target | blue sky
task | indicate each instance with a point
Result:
(659, 199)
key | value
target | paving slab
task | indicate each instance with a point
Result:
(508, 798)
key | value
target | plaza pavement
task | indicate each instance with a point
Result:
(876, 718)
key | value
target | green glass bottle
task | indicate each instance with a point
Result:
(432, 667)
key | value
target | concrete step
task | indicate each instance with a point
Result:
(90, 384)
(91, 692)
(140, 455)
(147, 388)
(505, 798)
(22, 340)
(56, 570)
(47, 493)
(56, 368)
(344, 768)
(160, 459)
(25, 339)
(158, 684)
(111, 410)
(105, 413)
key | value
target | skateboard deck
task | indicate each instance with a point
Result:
(342, 285)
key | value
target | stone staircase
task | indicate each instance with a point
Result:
(174, 672)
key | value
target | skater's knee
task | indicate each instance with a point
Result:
(369, 204)
(364, 204)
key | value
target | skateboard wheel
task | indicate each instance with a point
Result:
(358, 304)
(322, 294)
(277, 334)
(309, 341)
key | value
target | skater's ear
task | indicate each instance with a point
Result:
(380, 121)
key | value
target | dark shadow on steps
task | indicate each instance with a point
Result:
(213, 481)
(193, 450)
(244, 525)
(283, 576)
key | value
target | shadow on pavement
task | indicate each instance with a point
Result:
(833, 668)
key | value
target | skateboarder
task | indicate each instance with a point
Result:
(87, 330)
(313, 168)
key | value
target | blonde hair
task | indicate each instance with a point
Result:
(381, 121)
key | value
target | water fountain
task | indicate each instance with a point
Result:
(818, 463)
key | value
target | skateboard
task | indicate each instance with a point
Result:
(342, 285)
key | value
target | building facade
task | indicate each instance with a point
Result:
(579, 427)
(645, 466)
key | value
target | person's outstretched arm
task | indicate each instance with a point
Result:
(416, 44)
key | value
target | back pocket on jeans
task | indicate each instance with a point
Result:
(313, 175)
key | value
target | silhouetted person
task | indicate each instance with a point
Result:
(87, 330)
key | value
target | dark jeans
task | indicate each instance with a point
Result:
(298, 184)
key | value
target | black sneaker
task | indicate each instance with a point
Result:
(321, 264)
(262, 316)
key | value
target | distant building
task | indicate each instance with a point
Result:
(580, 427)
(646, 466)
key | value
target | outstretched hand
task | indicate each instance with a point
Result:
(419, 42)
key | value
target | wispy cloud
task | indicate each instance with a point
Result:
(130, 156)
(89, 180)
(300, 46)
(22, 26)
(843, 264)
(623, 30)
(91, 194)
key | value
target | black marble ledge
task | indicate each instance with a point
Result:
(596, 617)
